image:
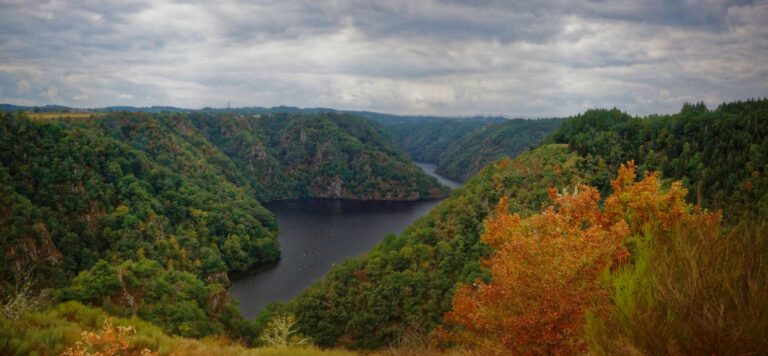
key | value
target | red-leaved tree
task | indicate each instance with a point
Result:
(546, 268)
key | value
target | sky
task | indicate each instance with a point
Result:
(453, 58)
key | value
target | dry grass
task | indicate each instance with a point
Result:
(58, 115)
(697, 291)
(183, 347)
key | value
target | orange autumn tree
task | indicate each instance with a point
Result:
(545, 268)
(112, 341)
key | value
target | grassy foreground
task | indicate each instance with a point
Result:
(58, 329)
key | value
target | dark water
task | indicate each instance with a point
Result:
(316, 233)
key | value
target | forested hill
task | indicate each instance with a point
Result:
(460, 147)
(77, 189)
(327, 155)
(135, 202)
(405, 284)
(720, 156)
(486, 145)
(400, 290)
(426, 139)
(133, 208)
(546, 253)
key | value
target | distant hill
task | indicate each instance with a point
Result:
(10, 107)
(461, 147)
(424, 138)
(146, 109)
(485, 145)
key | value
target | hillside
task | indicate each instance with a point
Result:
(78, 196)
(113, 209)
(427, 139)
(461, 147)
(544, 253)
(324, 155)
(406, 283)
(488, 144)
(719, 155)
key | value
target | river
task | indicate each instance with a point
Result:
(316, 233)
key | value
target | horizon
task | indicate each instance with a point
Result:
(352, 111)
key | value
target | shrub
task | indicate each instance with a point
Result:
(696, 290)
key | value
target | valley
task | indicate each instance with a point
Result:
(318, 233)
(329, 227)
(383, 178)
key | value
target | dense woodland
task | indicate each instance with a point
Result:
(404, 286)
(426, 139)
(145, 215)
(616, 235)
(461, 147)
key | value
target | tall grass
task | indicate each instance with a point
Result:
(52, 331)
(698, 290)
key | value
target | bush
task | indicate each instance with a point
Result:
(697, 290)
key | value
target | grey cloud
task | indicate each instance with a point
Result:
(435, 57)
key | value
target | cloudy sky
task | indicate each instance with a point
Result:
(519, 58)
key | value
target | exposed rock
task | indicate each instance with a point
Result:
(26, 251)
(335, 188)
(219, 277)
(129, 299)
(218, 299)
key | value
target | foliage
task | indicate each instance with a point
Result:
(404, 285)
(720, 156)
(486, 145)
(281, 332)
(546, 268)
(175, 300)
(52, 331)
(461, 147)
(112, 341)
(23, 300)
(696, 289)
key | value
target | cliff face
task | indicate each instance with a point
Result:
(28, 250)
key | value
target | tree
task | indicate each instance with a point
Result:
(281, 331)
(546, 268)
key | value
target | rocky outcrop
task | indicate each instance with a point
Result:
(28, 251)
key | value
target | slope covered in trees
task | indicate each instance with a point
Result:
(461, 147)
(327, 155)
(145, 215)
(426, 139)
(405, 284)
(401, 289)
(719, 155)
(483, 146)
(640, 269)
